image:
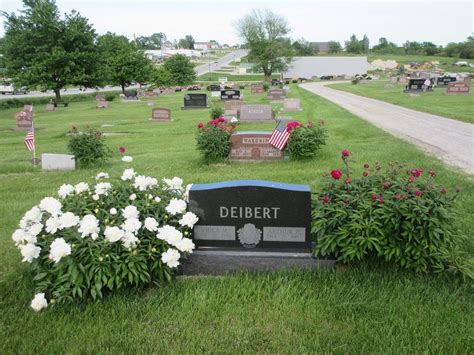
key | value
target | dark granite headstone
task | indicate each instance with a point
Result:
(214, 87)
(458, 88)
(160, 115)
(444, 80)
(230, 94)
(252, 214)
(256, 113)
(253, 146)
(417, 84)
(195, 101)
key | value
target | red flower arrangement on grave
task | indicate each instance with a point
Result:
(305, 141)
(213, 139)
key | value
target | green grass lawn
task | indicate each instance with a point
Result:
(368, 308)
(459, 107)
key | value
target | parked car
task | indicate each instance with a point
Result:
(9, 88)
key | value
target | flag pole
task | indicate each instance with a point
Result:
(34, 142)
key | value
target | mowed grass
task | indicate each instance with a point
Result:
(458, 107)
(373, 307)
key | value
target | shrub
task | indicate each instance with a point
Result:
(266, 86)
(355, 81)
(88, 147)
(216, 111)
(397, 215)
(131, 93)
(305, 141)
(94, 240)
(213, 139)
(110, 97)
(241, 86)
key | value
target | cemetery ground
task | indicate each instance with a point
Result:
(371, 307)
(458, 107)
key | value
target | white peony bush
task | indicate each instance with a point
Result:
(94, 238)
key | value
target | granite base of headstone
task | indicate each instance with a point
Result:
(251, 225)
(51, 161)
(253, 146)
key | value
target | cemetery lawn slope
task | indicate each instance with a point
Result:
(458, 107)
(370, 307)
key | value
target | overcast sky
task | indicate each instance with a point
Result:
(440, 22)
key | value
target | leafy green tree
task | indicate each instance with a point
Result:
(187, 42)
(353, 45)
(122, 62)
(264, 35)
(334, 47)
(365, 44)
(41, 49)
(430, 48)
(180, 69)
(150, 42)
(162, 77)
(304, 48)
(467, 49)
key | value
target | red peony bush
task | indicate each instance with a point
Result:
(399, 215)
(213, 139)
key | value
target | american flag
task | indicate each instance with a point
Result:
(280, 136)
(30, 139)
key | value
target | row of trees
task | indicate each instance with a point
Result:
(41, 49)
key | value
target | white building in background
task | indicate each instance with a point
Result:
(202, 46)
(308, 67)
(158, 54)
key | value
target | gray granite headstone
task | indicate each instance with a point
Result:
(58, 161)
(256, 113)
(291, 105)
(49, 108)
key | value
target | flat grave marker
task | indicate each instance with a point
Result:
(160, 114)
(256, 113)
(57, 162)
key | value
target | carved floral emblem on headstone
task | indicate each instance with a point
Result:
(249, 235)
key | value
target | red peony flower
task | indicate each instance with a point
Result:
(336, 174)
(386, 184)
(348, 180)
(381, 199)
(366, 166)
(418, 193)
(365, 174)
(397, 196)
(220, 119)
(345, 153)
(122, 150)
(443, 190)
(411, 179)
(200, 125)
(374, 197)
(326, 199)
(291, 125)
(415, 172)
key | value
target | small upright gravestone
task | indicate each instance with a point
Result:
(276, 94)
(256, 113)
(230, 94)
(291, 105)
(49, 108)
(444, 80)
(257, 88)
(160, 115)
(58, 162)
(458, 88)
(253, 146)
(23, 120)
(195, 101)
(250, 225)
(232, 107)
(101, 103)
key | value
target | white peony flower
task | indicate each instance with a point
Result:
(102, 176)
(34, 215)
(128, 240)
(65, 190)
(157, 199)
(150, 196)
(29, 252)
(130, 212)
(18, 236)
(51, 205)
(176, 206)
(58, 249)
(89, 225)
(81, 187)
(113, 234)
(52, 224)
(68, 220)
(144, 182)
(185, 245)
(174, 184)
(35, 229)
(39, 302)
(31, 239)
(132, 197)
(189, 219)
(169, 234)
(127, 159)
(102, 188)
(150, 224)
(94, 236)
(128, 174)
(113, 211)
(171, 258)
(131, 225)
(234, 120)
(95, 197)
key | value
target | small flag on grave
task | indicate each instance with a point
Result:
(280, 136)
(30, 139)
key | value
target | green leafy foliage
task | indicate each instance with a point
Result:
(305, 141)
(216, 111)
(213, 140)
(178, 70)
(88, 147)
(397, 215)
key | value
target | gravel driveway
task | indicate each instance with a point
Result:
(452, 141)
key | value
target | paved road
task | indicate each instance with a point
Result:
(203, 69)
(74, 91)
(450, 140)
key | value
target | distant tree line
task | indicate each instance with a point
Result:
(353, 45)
(43, 50)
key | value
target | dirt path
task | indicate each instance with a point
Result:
(452, 141)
